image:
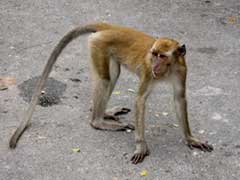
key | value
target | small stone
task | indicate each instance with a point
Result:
(42, 137)
(157, 115)
(75, 80)
(129, 130)
(195, 153)
(201, 131)
(216, 116)
(237, 146)
(165, 113)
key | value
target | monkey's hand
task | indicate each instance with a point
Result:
(195, 143)
(140, 153)
(117, 111)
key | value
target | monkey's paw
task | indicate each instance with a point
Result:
(193, 143)
(117, 111)
(139, 155)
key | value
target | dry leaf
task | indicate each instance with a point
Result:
(42, 137)
(3, 87)
(116, 92)
(232, 19)
(76, 150)
(175, 125)
(144, 173)
(131, 90)
(172, 125)
(5, 82)
(165, 113)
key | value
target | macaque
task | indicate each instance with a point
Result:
(151, 59)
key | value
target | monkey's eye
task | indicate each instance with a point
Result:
(162, 56)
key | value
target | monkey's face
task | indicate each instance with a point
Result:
(164, 54)
(160, 64)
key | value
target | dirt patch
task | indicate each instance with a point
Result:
(51, 94)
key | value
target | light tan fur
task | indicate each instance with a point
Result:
(150, 58)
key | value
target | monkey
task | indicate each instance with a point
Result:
(151, 59)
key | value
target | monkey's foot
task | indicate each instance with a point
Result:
(193, 143)
(111, 125)
(140, 153)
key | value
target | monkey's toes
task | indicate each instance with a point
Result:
(202, 146)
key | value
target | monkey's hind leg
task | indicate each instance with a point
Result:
(115, 112)
(99, 105)
(105, 80)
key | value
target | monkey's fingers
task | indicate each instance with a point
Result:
(126, 128)
(130, 126)
(202, 146)
(139, 157)
(111, 117)
(122, 111)
(117, 111)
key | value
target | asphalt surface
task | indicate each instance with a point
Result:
(29, 29)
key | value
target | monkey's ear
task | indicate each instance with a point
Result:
(182, 50)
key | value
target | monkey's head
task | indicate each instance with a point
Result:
(165, 53)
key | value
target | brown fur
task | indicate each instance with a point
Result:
(150, 58)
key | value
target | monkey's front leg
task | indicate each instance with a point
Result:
(141, 146)
(182, 114)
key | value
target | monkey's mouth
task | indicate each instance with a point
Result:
(163, 72)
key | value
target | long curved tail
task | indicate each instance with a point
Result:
(91, 28)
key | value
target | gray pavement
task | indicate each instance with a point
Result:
(29, 29)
